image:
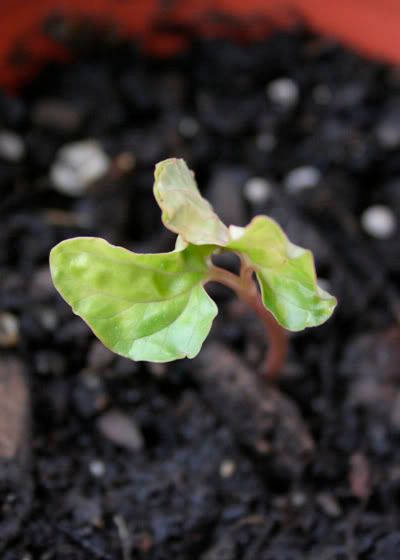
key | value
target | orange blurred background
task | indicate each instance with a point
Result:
(372, 26)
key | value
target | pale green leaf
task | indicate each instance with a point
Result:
(184, 210)
(144, 307)
(286, 274)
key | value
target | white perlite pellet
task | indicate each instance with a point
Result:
(301, 178)
(388, 135)
(9, 330)
(97, 468)
(188, 127)
(379, 221)
(77, 166)
(257, 190)
(12, 147)
(283, 91)
(227, 468)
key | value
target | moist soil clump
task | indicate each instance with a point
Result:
(142, 461)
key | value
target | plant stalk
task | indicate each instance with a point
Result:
(246, 289)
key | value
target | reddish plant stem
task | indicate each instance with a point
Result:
(246, 289)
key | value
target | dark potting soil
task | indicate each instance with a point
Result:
(137, 461)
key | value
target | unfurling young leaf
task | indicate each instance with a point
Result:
(184, 210)
(154, 307)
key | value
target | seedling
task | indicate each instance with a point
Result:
(154, 307)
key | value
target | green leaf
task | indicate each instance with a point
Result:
(286, 274)
(184, 210)
(144, 307)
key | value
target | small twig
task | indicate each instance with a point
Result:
(83, 543)
(246, 289)
(15, 448)
(123, 536)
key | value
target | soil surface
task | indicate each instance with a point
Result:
(141, 461)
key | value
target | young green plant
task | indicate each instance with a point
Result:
(154, 307)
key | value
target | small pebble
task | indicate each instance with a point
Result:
(125, 162)
(257, 190)
(388, 129)
(56, 114)
(14, 419)
(388, 135)
(120, 429)
(302, 178)
(97, 468)
(329, 505)
(9, 330)
(379, 221)
(12, 147)
(283, 91)
(298, 499)
(48, 318)
(91, 381)
(280, 502)
(188, 127)
(227, 468)
(266, 142)
(263, 447)
(360, 476)
(77, 166)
